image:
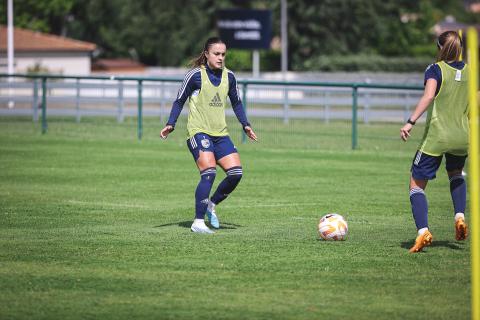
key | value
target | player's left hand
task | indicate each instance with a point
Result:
(250, 133)
(166, 131)
(405, 131)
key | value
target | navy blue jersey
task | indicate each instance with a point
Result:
(193, 81)
(433, 72)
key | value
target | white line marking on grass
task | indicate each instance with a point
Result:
(108, 204)
(273, 205)
(125, 205)
(229, 206)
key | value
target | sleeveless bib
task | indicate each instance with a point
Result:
(447, 119)
(207, 107)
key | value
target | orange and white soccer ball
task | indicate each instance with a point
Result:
(333, 226)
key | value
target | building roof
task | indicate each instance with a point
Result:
(28, 40)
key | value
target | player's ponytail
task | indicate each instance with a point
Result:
(450, 45)
(201, 59)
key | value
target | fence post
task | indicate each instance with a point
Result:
(35, 100)
(354, 115)
(163, 102)
(120, 102)
(286, 106)
(326, 111)
(44, 105)
(366, 107)
(77, 101)
(406, 111)
(244, 100)
(140, 105)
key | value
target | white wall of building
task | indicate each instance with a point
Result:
(60, 63)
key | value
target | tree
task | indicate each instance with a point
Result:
(169, 33)
(159, 32)
(41, 15)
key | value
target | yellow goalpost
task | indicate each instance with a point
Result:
(474, 174)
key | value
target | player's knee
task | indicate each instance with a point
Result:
(234, 174)
(454, 173)
(417, 183)
(456, 180)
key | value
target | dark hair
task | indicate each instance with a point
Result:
(201, 59)
(450, 45)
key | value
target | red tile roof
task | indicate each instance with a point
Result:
(28, 40)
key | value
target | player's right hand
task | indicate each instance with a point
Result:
(166, 131)
(405, 131)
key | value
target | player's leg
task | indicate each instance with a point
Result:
(202, 150)
(424, 168)
(458, 191)
(233, 168)
(229, 159)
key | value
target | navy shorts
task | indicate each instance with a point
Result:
(424, 166)
(220, 146)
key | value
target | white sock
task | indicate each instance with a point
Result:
(459, 215)
(422, 231)
(199, 221)
(211, 205)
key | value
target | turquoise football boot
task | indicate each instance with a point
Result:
(212, 218)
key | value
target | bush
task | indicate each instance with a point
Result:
(241, 60)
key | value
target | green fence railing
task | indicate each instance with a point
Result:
(354, 86)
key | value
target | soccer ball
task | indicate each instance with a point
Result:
(333, 226)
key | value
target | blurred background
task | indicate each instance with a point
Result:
(371, 42)
(148, 37)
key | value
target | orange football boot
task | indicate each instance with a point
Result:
(461, 229)
(422, 241)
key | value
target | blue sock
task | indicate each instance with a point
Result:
(458, 190)
(204, 187)
(419, 207)
(234, 175)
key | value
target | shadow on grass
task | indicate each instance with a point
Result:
(444, 243)
(188, 223)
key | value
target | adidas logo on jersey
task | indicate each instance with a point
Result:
(216, 101)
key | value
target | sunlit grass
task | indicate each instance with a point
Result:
(95, 224)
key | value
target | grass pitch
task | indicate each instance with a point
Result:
(95, 224)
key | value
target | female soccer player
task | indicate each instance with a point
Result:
(446, 134)
(207, 86)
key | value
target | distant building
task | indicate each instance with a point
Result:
(450, 23)
(118, 66)
(472, 5)
(46, 53)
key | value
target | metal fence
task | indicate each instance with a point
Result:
(142, 97)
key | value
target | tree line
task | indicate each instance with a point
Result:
(323, 34)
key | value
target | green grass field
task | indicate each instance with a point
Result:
(95, 225)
